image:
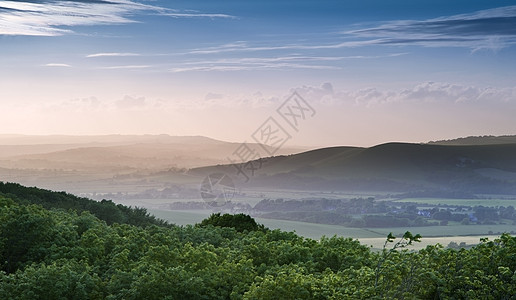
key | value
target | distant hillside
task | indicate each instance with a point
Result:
(114, 153)
(397, 167)
(18, 145)
(111, 140)
(478, 140)
(111, 164)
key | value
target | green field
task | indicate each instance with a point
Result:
(180, 217)
(316, 231)
(377, 243)
(310, 230)
(464, 202)
(451, 230)
(372, 236)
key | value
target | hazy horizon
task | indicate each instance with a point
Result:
(28, 139)
(372, 72)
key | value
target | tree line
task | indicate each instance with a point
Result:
(62, 253)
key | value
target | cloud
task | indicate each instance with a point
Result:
(75, 105)
(129, 102)
(261, 63)
(127, 67)
(198, 15)
(46, 18)
(486, 29)
(246, 101)
(58, 65)
(213, 96)
(321, 94)
(331, 96)
(225, 68)
(111, 54)
(456, 93)
(246, 47)
(88, 103)
(426, 92)
(277, 59)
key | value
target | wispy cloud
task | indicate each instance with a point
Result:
(300, 58)
(246, 47)
(58, 65)
(197, 15)
(47, 18)
(251, 68)
(261, 63)
(127, 67)
(485, 29)
(111, 54)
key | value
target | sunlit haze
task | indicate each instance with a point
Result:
(373, 71)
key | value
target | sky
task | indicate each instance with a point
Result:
(362, 72)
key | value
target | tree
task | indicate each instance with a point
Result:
(240, 222)
(26, 233)
(406, 240)
(60, 254)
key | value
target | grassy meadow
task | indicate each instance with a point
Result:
(375, 237)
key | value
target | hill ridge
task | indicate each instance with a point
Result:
(404, 166)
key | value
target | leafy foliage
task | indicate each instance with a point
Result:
(240, 222)
(105, 210)
(58, 254)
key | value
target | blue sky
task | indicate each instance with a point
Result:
(374, 71)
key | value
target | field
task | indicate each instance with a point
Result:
(465, 202)
(310, 230)
(377, 243)
(450, 230)
(375, 237)
(316, 231)
(182, 217)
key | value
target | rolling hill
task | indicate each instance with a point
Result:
(478, 140)
(117, 163)
(89, 165)
(114, 153)
(396, 167)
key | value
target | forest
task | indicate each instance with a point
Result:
(58, 246)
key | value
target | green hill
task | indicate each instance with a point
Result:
(105, 210)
